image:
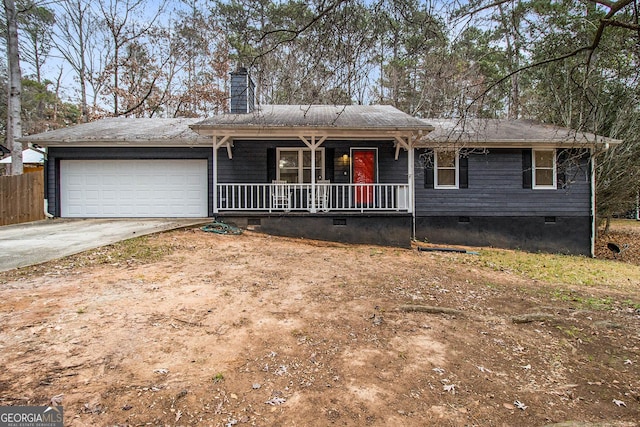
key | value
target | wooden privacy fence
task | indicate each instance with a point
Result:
(21, 198)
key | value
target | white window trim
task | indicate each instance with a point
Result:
(436, 185)
(300, 150)
(554, 168)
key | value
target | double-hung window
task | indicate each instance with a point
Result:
(446, 166)
(544, 169)
(294, 165)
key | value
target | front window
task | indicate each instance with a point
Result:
(544, 169)
(294, 165)
(446, 169)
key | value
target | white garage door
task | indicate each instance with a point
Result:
(133, 188)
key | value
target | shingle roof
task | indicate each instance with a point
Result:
(184, 131)
(124, 130)
(318, 116)
(511, 132)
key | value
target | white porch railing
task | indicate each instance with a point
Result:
(302, 197)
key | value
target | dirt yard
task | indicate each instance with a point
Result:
(193, 328)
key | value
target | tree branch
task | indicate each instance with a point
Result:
(604, 22)
(535, 64)
(629, 26)
(485, 7)
(297, 32)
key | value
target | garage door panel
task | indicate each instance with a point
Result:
(133, 188)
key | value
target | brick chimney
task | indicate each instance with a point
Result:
(242, 92)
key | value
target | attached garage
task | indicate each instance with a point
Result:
(133, 188)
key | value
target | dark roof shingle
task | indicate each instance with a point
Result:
(487, 131)
(318, 116)
(121, 129)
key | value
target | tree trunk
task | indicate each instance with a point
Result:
(56, 105)
(14, 107)
(607, 225)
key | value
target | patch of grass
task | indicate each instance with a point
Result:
(572, 332)
(625, 223)
(589, 303)
(218, 378)
(561, 269)
(140, 249)
(631, 304)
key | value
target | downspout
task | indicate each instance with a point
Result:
(313, 174)
(46, 190)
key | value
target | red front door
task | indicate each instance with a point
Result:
(364, 172)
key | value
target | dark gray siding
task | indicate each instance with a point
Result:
(495, 189)
(249, 163)
(495, 209)
(117, 153)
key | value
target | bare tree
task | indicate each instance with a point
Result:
(36, 24)
(77, 38)
(120, 21)
(14, 121)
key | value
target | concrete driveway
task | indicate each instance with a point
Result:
(36, 242)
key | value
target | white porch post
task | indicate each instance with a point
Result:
(410, 175)
(406, 142)
(214, 175)
(313, 175)
(411, 178)
(216, 145)
(313, 145)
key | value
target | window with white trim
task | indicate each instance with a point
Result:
(446, 167)
(294, 165)
(544, 169)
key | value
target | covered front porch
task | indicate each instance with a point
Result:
(330, 172)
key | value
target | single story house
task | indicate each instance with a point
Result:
(352, 173)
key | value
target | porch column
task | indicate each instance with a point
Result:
(313, 145)
(214, 175)
(411, 178)
(406, 142)
(214, 178)
(410, 175)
